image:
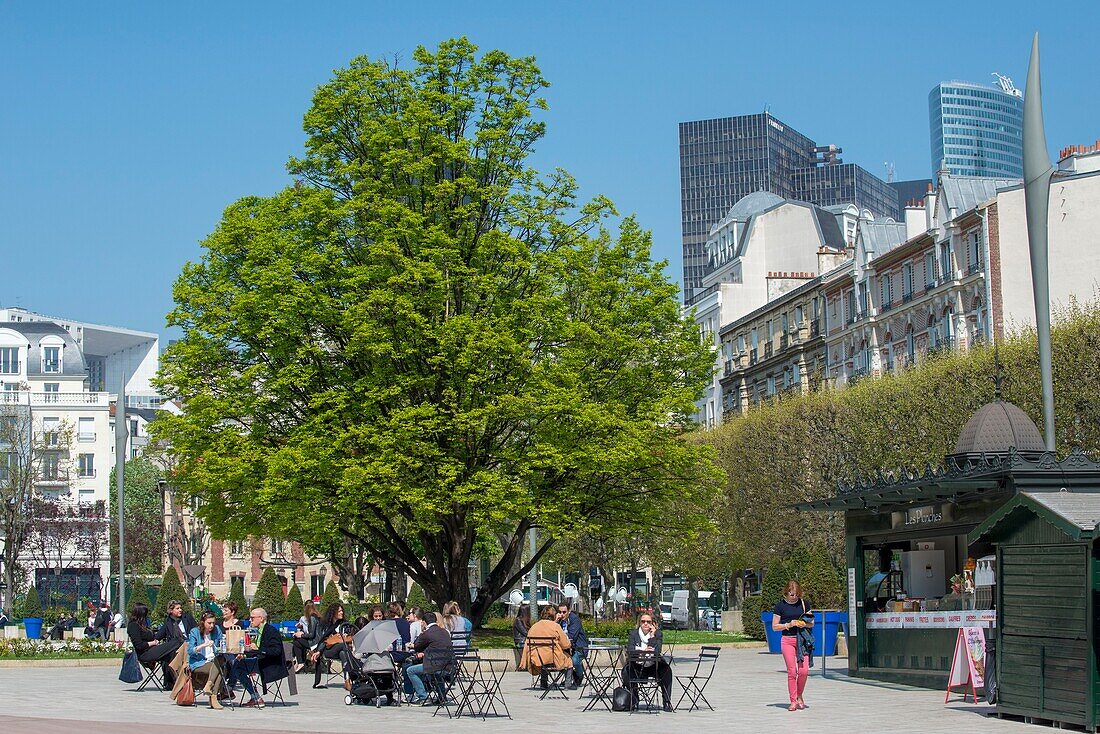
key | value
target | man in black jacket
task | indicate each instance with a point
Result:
(646, 638)
(177, 626)
(432, 648)
(271, 660)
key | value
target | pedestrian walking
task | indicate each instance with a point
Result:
(790, 616)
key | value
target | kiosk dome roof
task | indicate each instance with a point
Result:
(997, 427)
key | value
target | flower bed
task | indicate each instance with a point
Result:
(59, 650)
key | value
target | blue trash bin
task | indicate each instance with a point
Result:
(33, 625)
(826, 626)
(775, 639)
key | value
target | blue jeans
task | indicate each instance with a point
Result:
(414, 678)
(238, 672)
(578, 666)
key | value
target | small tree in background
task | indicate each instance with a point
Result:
(170, 590)
(236, 595)
(269, 596)
(32, 605)
(293, 607)
(331, 596)
(138, 595)
(417, 598)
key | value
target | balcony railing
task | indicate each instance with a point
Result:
(767, 350)
(886, 306)
(815, 328)
(907, 297)
(752, 357)
(784, 341)
(973, 268)
(55, 399)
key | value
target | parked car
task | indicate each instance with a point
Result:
(679, 616)
(666, 613)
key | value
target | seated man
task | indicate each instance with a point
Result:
(270, 659)
(431, 648)
(101, 623)
(647, 638)
(578, 641)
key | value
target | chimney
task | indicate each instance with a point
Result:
(915, 219)
(929, 209)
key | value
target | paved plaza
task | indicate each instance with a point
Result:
(748, 692)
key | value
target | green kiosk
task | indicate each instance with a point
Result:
(925, 553)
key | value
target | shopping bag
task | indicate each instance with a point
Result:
(186, 695)
(131, 669)
(233, 637)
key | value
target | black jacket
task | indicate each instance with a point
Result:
(140, 636)
(269, 650)
(636, 639)
(434, 642)
(170, 630)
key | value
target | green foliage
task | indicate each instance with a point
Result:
(32, 605)
(236, 595)
(823, 584)
(417, 598)
(776, 577)
(50, 615)
(269, 595)
(331, 596)
(750, 616)
(908, 420)
(424, 343)
(294, 606)
(144, 521)
(497, 609)
(618, 628)
(137, 594)
(170, 590)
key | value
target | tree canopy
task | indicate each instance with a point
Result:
(426, 346)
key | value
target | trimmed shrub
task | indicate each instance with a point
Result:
(822, 583)
(32, 605)
(293, 606)
(138, 595)
(269, 596)
(417, 598)
(170, 590)
(750, 616)
(236, 595)
(331, 596)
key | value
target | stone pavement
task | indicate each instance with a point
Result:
(748, 692)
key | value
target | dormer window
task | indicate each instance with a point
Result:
(51, 360)
(9, 360)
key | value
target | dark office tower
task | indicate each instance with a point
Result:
(977, 130)
(724, 160)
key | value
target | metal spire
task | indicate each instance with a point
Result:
(1037, 173)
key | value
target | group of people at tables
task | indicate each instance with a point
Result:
(563, 625)
(427, 641)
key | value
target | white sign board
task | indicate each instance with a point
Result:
(852, 625)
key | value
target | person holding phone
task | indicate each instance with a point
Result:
(789, 616)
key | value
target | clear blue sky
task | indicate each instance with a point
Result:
(125, 129)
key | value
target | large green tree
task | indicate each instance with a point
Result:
(424, 345)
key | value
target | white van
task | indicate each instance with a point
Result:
(680, 608)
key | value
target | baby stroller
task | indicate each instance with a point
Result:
(371, 670)
(370, 678)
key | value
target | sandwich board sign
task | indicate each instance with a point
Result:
(968, 663)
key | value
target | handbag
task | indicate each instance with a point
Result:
(334, 639)
(131, 669)
(620, 699)
(186, 695)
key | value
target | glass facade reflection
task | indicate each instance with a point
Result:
(977, 130)
(725, 159)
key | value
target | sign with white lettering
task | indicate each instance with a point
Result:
(852, 626)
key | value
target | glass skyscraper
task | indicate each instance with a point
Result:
(726, 159)
(977, 130)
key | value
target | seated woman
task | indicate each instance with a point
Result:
(149, 649)
(333, 621)
(538, 659)
(203, 644)
(303, 636)
(229, 615)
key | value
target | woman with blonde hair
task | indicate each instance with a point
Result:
(453, 620)
(791, 615)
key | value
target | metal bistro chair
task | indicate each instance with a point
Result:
(543, 650)
(448, 676)
(694, 684)
(460, 641)
(346, 631)
(152, 675)
(641, 677)
(277, 683)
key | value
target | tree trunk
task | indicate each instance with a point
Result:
(693, 602)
